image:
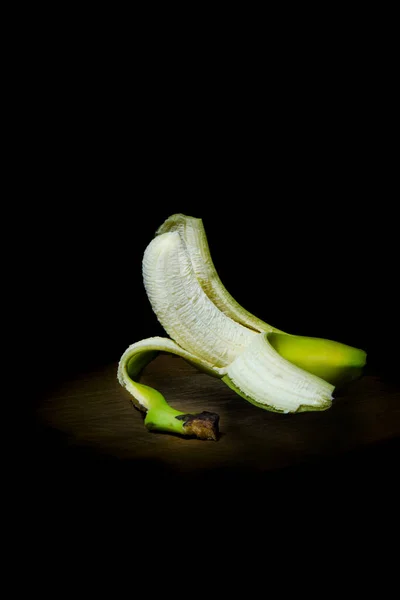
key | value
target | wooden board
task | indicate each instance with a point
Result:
(94, 412)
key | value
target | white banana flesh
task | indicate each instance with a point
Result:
(184, 310)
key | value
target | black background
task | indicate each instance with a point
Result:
(285, 152)
(291, 170)
(286, 156)
(281, 132)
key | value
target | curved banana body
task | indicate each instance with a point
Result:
(183, 308)
(273, 370)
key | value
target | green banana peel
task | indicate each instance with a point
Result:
(160, 416)
(271, 369)
(332, 361)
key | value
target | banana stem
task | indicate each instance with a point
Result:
(160, 415)
(202, 425)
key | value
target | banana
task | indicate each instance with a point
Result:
(269, 368)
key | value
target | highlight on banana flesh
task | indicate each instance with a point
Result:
(271, 369)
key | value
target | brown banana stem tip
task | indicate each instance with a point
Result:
(204, 425)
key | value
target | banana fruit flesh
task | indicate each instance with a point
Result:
(183, 308)
(208, 328)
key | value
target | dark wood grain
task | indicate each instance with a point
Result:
(93, 464)
(93, 411)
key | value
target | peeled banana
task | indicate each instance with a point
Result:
(208, 328)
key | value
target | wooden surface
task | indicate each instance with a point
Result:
(93, 413)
